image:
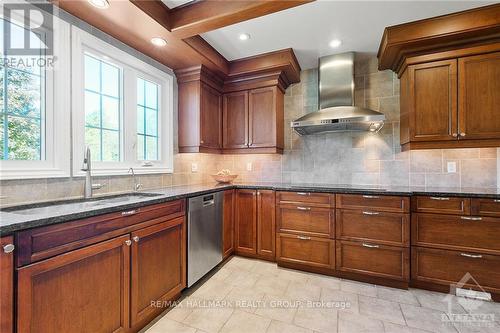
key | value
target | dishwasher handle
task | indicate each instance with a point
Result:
(208, 200)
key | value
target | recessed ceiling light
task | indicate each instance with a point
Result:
(101, 4)
(244, 36)
(335, 43)
(158, 41)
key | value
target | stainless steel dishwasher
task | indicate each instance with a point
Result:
(204, 235)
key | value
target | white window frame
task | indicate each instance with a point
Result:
(133, 68)
(57, 148)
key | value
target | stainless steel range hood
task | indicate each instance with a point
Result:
(337, 112)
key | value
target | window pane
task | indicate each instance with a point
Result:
(1, 136)
(110, 113)
(92, 109)
(140, 147)
(23, 91)
(151, 122)
(110, 145)
(92, 70)
(93, 141)
(140, 92)
(140, 120)
(151, 92)
(24, 141)
(151, 148)
(110, 80)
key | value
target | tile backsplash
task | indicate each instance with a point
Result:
(342, 158)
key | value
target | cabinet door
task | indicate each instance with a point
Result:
(433, 101)
(262, 117)
(235, 120)
(6, 284)
(158, 268)
(266, 225)
(228, 224)
(306, 251)
(479, 96)
(246, 222)
(211, 117)
(86, 290)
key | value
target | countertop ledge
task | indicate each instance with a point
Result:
(11, 222)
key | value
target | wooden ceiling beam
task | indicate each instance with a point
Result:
(206, 15)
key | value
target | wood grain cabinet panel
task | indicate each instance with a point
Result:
(210, 117)
(235, 120)
(6, 285)
(441, 205)
(306, 220)
(472, 233)
(382, 203)
(479, 97)
(262, 117)
(266, 224)
(447, 267)
(246, 222)
(381, 227)
(305, 250)
(485, 207)
(158, 267)
(373, 259)
(86, 290)
(228, 223)
(309, 198)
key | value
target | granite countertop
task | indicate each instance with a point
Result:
(17, 218)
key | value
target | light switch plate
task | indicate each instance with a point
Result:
(249, 166)
(194, 167)
(451, 167)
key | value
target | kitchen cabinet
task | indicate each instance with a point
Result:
(210, 117)
(228, 223)
(253, 121)
(305, 251)
(158, 270)
(86, 290)
(7, 284)
(255, 223)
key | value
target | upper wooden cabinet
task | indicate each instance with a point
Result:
(210, 117)
(253, 121)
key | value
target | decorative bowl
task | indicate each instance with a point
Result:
(224, 178)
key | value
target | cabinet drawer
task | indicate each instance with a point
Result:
(458, 232)
(305, 250)
(321, 199)
(313, 221)
(485, 207)
(442, 205)
(385, 203)
(44, 242)
(373, 259)
(382, 227)
(450, 267)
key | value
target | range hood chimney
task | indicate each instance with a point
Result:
(337, 112)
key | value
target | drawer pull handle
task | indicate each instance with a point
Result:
(475, 256)
(439, 198)
(370, 213)
(496, 200)
(371, 196)
(304, 237)
(128, 242)
(9, 248)
(370, 246)
(303, 208)
(135, 239)
(303, 193)
(471, 218)
(130, 212)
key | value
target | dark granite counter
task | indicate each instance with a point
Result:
(17, 218)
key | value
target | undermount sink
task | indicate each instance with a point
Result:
(61, 207)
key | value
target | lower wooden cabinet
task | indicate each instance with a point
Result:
(228, 224)
(255, 223)
(86, 290)
(307, 251)
(158, 270)
(445, 267)
(7, 284)
(382, 261)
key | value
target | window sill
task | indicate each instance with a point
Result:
(33, 174)
(124, 171)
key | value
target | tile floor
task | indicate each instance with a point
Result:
(252, 296)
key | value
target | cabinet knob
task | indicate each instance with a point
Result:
(454, 135)
(128, 242)
(135, 238)
(9, 248)
(462, 134)
(201, 141)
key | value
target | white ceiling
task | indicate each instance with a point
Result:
(175, 3)
(309, 28)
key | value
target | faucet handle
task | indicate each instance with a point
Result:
(138, 186)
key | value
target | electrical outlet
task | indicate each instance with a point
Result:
(249, 166)
(452, 167)
(194, 167)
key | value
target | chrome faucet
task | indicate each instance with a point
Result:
(137, 186)
(87, 167)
